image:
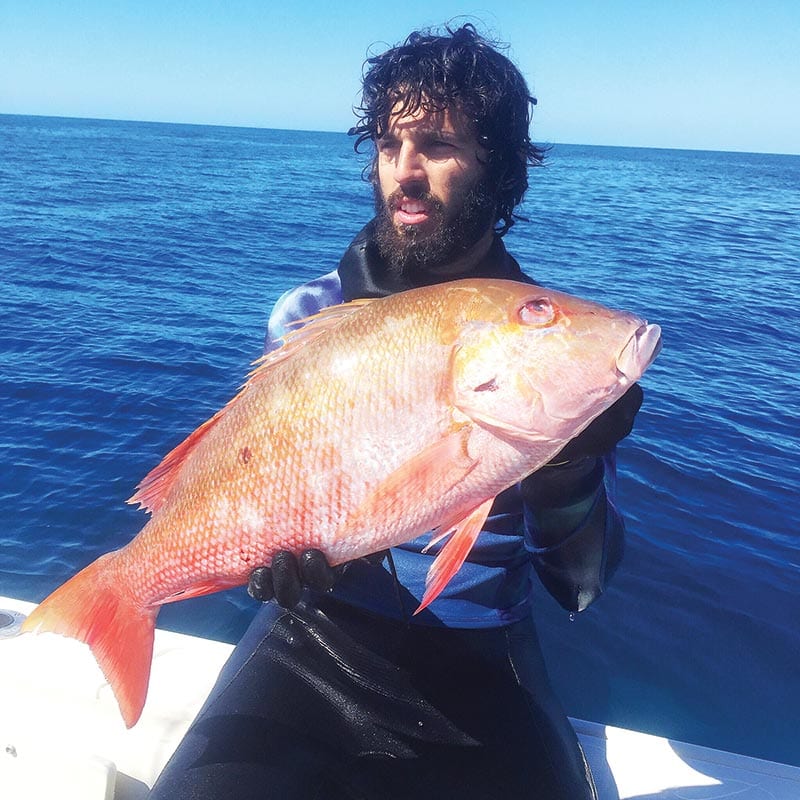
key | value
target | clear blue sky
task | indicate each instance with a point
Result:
(709, 74)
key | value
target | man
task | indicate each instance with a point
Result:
(335, 691)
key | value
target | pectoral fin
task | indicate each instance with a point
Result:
(432, 472)
(455, 551)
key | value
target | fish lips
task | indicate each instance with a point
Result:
(638, 353)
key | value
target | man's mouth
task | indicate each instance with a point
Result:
(410, 212)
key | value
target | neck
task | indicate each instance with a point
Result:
(364, 274)
(467, 262)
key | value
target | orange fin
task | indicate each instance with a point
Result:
(201, 588)
(433, 471)
(154, 488)
(306, 330)
(455, 551)
(90, 607)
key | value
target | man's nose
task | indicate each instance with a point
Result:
(409, 167)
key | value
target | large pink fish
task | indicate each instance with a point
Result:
(374, 423)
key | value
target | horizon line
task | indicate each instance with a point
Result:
(344, 133)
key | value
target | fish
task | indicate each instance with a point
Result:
(374, 422)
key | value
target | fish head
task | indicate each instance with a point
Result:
(540, 365)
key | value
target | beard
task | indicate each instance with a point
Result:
(411, 254)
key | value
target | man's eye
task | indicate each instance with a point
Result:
(441, 149)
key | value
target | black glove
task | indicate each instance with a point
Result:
(603, 433)
(576, 472)
(289, 575)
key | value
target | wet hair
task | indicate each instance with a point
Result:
(460, 68)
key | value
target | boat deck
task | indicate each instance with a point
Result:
(61, 734)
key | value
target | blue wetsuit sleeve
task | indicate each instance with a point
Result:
(574, 530)
(296, 304)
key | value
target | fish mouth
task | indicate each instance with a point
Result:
(639, 352)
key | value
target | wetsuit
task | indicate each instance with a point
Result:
(347, 696)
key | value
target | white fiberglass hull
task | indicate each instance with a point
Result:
(61, 734)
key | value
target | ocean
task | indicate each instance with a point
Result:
(139, 265)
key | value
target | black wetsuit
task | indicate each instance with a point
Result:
(335, 700)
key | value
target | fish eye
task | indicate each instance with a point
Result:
(537, 311)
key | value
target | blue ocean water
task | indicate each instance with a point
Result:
(139, 263)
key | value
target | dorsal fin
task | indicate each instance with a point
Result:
(155, 486)
(305, 330)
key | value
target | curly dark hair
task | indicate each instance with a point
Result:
(431, 71)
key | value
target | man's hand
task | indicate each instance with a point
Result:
(289, 575)
(603, 433)
(575, 474)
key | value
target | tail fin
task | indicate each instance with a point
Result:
(93, 608)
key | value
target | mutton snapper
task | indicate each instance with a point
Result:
(377, 421)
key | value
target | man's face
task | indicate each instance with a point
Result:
(431, 195)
